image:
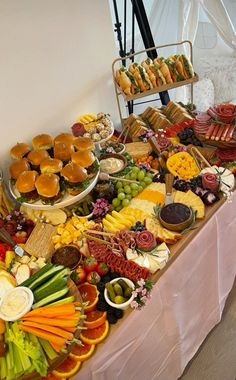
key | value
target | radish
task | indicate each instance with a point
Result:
(22, 274)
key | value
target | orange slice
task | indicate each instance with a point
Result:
(68, 368)
(51, 376)
(89, 293)
(94, 336)
(95, 318)
(82, 353)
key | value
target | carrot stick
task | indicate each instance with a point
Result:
(52, 311)
(68, 317)
(57, 347)
(70, 329)
(43, 334)
(52, 322)
(54, 330)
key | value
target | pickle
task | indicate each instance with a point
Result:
(123, 284)
(128, 292)
(120, 299)
(118, 289)
(110, 291)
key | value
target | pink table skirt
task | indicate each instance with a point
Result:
(187, 302)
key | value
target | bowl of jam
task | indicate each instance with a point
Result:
(176, 216)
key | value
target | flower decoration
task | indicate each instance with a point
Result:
(142, 293)
(146, 135)
(100, 207)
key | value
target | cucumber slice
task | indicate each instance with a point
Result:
(63, 301)
(36, 275)
(55, 286)
(51, 298)
(45, 276)
(64, 272)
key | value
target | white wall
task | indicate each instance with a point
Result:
(56, 58)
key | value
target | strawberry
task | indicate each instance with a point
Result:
(90, 264)
(102, 269)
(79, 275)
(93, 278)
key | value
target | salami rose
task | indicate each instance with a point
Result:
(145, 241)
(210, 181)
(78, 129)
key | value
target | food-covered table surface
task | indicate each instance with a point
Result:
(116, 250)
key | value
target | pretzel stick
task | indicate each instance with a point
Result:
(196, 154)
(100, 233)
(96, 239)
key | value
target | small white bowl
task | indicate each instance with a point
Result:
(125, 305)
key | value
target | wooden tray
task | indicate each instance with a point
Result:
(55, 363)
(156, 90)
(218, 144)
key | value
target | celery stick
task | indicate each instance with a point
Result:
(34, 339)
(49, 351)
(3, 367)
(25, 360)
(18, 368)
(63, 301)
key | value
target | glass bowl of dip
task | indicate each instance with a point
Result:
(112, 163)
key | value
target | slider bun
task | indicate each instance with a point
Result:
(42, 141)
(63, 150)
(64, 138)
(35, 157)
(47, 185)
(74, 173)
(26, 181)
(84, 158)
(18, 166)
(51, 165)
(83, 143)
(19, 150)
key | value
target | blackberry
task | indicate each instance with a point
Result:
(119, 313)
(102, 306)
(101, 286)
(101, 297)
(111, 319)
(106, 278)
(138, 226)
(114, 275)
(159, 178)
(111, 310)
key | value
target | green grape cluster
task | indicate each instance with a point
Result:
(126, 191)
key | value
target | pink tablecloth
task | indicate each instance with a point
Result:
(187, 302)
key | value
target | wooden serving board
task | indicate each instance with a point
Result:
(55, 363)
(218, 144)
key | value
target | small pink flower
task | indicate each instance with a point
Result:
(144, 292)
(134, 304)
(144, 299)
(141, 282)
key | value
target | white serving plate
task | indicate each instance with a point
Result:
(66, 201)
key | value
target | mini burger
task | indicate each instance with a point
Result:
(19, 150)
(51, 165)
(75, 178)
(35, 157)
(86, 159)
(63, 151)
(48, 188)
(83, 143)
(18, 166)
(42, 141)
(64, 138)
(25, 184)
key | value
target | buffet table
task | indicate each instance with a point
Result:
(187, 301)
